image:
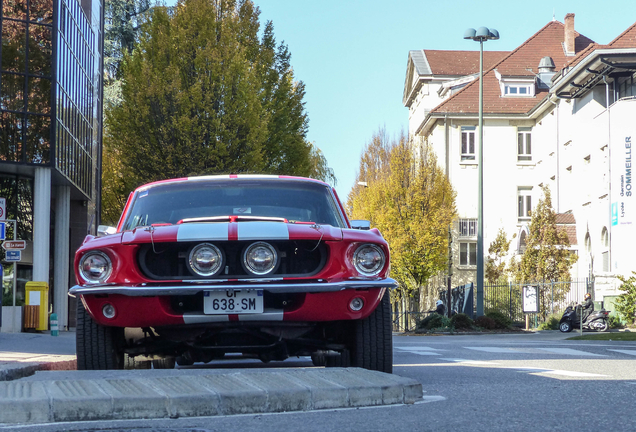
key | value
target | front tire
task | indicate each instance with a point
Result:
(164, 363)
(603, 327)
(98, 347)
(565, 327)
(372, 346)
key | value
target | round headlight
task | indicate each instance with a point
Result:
(95, 267)
(206, 259)
(260, 258)
(368, 259)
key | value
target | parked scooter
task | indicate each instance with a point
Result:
(598, 320)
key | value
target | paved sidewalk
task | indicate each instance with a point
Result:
(22, 354)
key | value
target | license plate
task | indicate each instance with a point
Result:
(232, 302)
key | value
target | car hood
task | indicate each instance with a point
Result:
(231, 231)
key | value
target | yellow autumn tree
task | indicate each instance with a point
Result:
(410, 200)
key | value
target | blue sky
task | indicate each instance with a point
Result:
(352, 54)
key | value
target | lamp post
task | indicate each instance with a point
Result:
(481, 35)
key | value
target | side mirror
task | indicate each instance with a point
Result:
(360, 224)
(104, 230)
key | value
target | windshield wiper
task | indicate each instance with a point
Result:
(232, 219)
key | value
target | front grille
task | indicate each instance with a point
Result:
(168, 261)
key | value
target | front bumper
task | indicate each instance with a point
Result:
(275, 286)
(150, 305)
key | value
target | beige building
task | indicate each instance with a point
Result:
(556, 113)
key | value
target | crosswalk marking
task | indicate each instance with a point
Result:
(425, 351)
(472, 362)
(630, 352)
(569, 351)
(497, 350)
(556, 372)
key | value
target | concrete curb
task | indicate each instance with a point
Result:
(13, 371)
(202, 394)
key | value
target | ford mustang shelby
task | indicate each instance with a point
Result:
(265, 266)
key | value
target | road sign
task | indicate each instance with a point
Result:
(14, 245)
(13, 255)
(3, 230)
(3, 209)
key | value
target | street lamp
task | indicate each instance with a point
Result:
(481, 35)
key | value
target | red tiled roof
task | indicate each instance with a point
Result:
(461, 63)
(565, 218)
(570, 230)
(522, 62)
(567, 223)
(627, 39)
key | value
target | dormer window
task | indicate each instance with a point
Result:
(517, 90)
(516, 86)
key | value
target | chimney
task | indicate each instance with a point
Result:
(569, 35)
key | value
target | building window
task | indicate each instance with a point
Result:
(626, 87)
(524, 200)
(605, 253)
(468, 143)
(512, 90)
(468, 227)
(524, 144)
(467, 253)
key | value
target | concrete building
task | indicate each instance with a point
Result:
(50, 141)
(556, 113)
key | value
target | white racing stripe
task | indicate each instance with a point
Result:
(263, 231)
(267, 315)
(203, 231)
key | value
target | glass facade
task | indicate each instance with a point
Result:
(19, 207)
(50, 84)
(26, 55)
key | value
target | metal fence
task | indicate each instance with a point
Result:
(553, 297)
(507, 299)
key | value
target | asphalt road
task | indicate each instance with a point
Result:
(471, 383)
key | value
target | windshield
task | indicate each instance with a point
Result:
(296, 201)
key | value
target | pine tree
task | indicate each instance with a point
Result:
(203, 94)
(495, 265)
(547, 257)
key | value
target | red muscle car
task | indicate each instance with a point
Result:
(266, 266)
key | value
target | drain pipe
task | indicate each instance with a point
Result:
(609, 165)
(558, 174)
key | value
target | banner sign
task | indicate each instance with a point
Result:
(623, 204)
(530, 299)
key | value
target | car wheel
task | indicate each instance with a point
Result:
(133, 363)
(565, 327)
(164, 363)
(318, 358)
(98, 347)
(341, 360)
(372, 346)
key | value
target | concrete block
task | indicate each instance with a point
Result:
(236, 395)
(133, 399)
(283, 394)
(394, 387)
(186, 397)
(360, 391)
(78, 400)
(324, 394)
(23, 402)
